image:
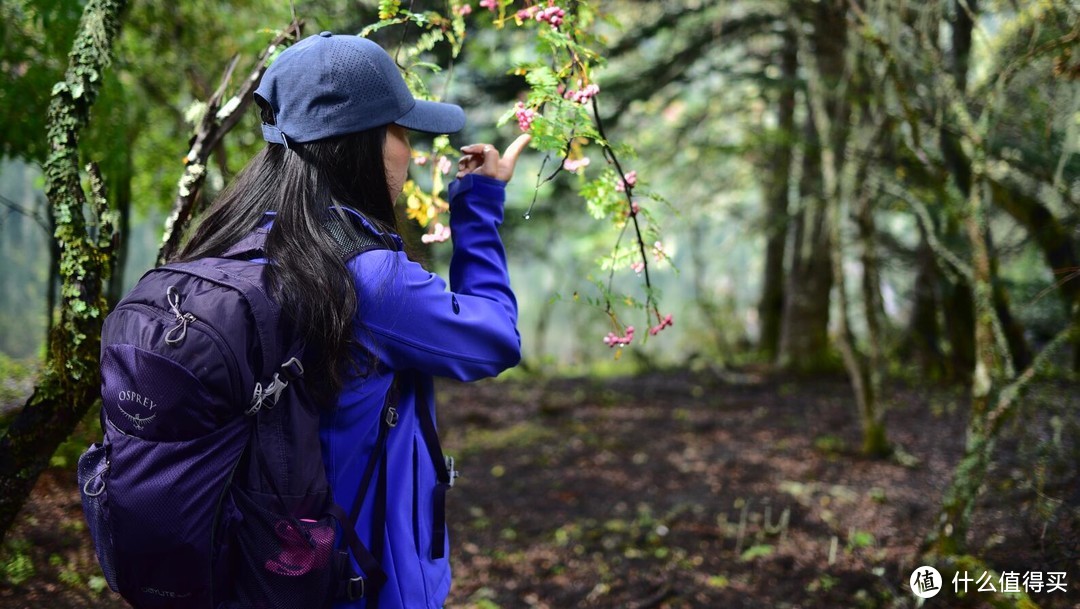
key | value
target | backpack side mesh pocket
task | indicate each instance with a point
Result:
(93, 479)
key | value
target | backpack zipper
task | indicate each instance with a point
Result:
(207, 329)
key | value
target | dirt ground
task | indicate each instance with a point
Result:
(678, 490)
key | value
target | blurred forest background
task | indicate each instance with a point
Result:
(872, 214)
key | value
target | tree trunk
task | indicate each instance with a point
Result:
(804, 338)
(955, 516)
(53, 289)
(1053, 239)
(70, 383)
(845, 188)
(1019, 351)
(778, 170)
(875, 440)
(923, 338)
(121, 195)
(958, 305)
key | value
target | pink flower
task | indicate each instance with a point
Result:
(576, 164)
(613, 339)
(552, 14)
(525, 116)
(635, 209)
(630, 179)
(665, 322)
(658, 251)
(584, 95)
(421, 160)
(439, 234)
(490, 5)
(463, 10)
(638, 267)
(444, 165)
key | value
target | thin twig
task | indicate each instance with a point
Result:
(33, 215)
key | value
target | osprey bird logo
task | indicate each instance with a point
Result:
(137, 420)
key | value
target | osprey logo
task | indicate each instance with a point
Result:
(137, 419)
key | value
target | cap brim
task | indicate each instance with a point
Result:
(433, 117)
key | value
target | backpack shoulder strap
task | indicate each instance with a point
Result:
(351, 238)
(253, 245)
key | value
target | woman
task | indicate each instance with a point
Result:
(336, 113)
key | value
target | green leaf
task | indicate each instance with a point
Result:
(542, 77)
(388, 9)
(756, 551)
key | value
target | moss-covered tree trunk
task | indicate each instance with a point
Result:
(69, 385)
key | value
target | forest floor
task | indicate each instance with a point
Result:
(680, 489)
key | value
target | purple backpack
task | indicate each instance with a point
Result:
(208, 489)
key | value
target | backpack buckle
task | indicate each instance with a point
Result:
(267, 395)
(292, 369)
(354, 589)
(451, 473)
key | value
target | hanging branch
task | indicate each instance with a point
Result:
(631, 213)
(218, 120)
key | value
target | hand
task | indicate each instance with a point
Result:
(484, 159)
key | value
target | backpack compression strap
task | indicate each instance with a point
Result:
(388, 419)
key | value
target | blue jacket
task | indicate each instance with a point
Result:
(413, 324)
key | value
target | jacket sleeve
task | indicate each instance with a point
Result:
(412, 322)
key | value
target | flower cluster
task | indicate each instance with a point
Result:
(490, 5)
(440, 234)
(658, 251)
(525, 115)
(583, 95)
(638, 267)
(612, 339)
(444, 165)
(421, 160)
(635, 209)
(665, 322)
(575, 164)
(551, 14)
(464, 9)
(628, 180)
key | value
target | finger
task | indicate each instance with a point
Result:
(469, 162)
(515, 148)
(509, 160)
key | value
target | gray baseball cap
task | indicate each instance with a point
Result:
(327, 85)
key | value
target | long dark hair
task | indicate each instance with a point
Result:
(308, 277)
